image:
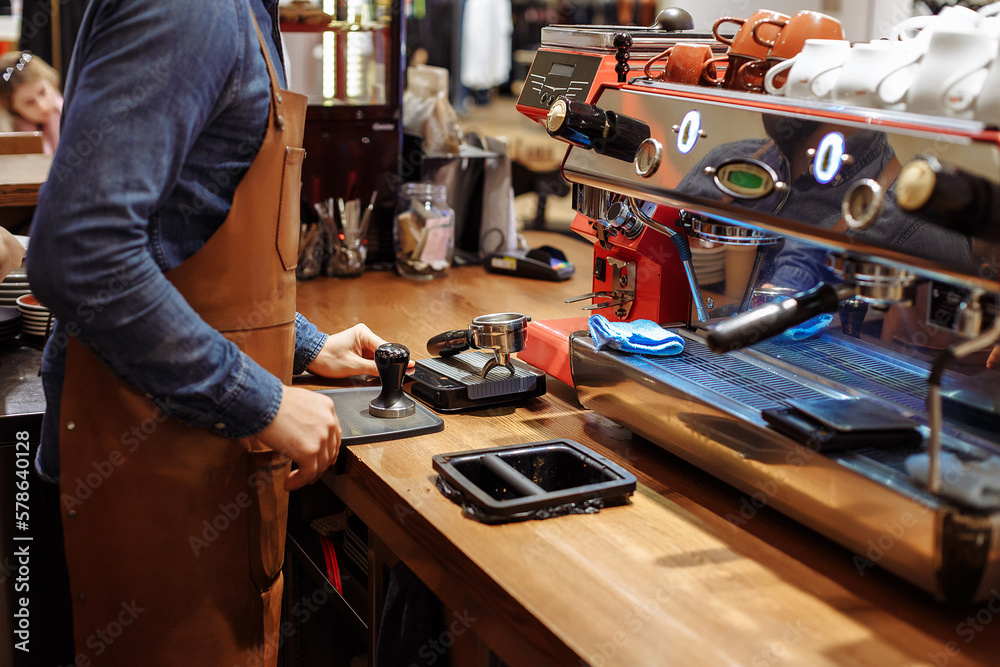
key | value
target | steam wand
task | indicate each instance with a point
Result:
(934, 409)
(683, 251)
(772, 318)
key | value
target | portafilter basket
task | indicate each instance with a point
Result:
(504, 333)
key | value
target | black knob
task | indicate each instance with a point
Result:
(622, 42)
(950, 197)
(391, 360)
(577, 123)
(624, 136)
(588, 126)
(674, 18)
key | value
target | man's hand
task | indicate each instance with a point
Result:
(350, 352)
(994, 360)
(11, 253)
(306, 430)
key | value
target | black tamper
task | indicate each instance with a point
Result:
(391, 360)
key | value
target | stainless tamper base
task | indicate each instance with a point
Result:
(404, 407)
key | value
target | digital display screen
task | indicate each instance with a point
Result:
(562, 69)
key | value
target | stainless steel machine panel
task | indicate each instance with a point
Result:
(696, 134)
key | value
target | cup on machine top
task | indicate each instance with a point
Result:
(951, 73)
(868, 65)
(812, 72)
(789, 41)
(742, 47)
(922, 27)
(685, 63)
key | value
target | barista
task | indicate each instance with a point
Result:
(165, 242)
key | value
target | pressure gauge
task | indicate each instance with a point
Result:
(745, 178)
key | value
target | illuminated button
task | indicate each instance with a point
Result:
(688, 132)
(828, 158)
(647, 157)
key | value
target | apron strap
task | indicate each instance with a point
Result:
(277, 110)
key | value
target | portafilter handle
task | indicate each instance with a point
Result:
(450, 342)
(773, 318)
(503, 333)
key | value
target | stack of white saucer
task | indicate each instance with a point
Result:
(16, 282)
(36, 320)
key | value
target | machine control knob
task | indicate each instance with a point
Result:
(577, 123)
(673, 18)
(950, 197)
(587, 126)
(621, 219)
(863, 203)
(391, 360)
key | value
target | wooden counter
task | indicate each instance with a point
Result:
(675, 578)
(21, 176)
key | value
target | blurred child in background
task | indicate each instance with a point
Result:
(29, 93)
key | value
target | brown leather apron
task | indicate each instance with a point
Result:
(175, 557)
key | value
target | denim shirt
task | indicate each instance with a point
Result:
(166, 106)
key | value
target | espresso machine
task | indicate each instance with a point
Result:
(834, 367)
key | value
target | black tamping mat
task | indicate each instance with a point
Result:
(358, 426)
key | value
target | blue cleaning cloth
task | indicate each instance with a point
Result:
(640, 336)
(809, 328)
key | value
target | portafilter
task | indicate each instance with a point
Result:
(504, 333)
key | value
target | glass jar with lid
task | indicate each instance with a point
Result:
(424, 231)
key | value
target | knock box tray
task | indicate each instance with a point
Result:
(532, 481)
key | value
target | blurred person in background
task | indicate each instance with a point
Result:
(29, 94)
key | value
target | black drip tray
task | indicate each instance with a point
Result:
(532, 481)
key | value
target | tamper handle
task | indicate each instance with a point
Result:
(773, 318)
(450, 342)
(391, 360)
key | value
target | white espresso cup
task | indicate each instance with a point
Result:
(952, 72)
(987, 106)
(921, 27)
(811, 72)
(992, 9)
(878, 67)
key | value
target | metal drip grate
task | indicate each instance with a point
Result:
(742, 381)
(841, 363)
(823, 356)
